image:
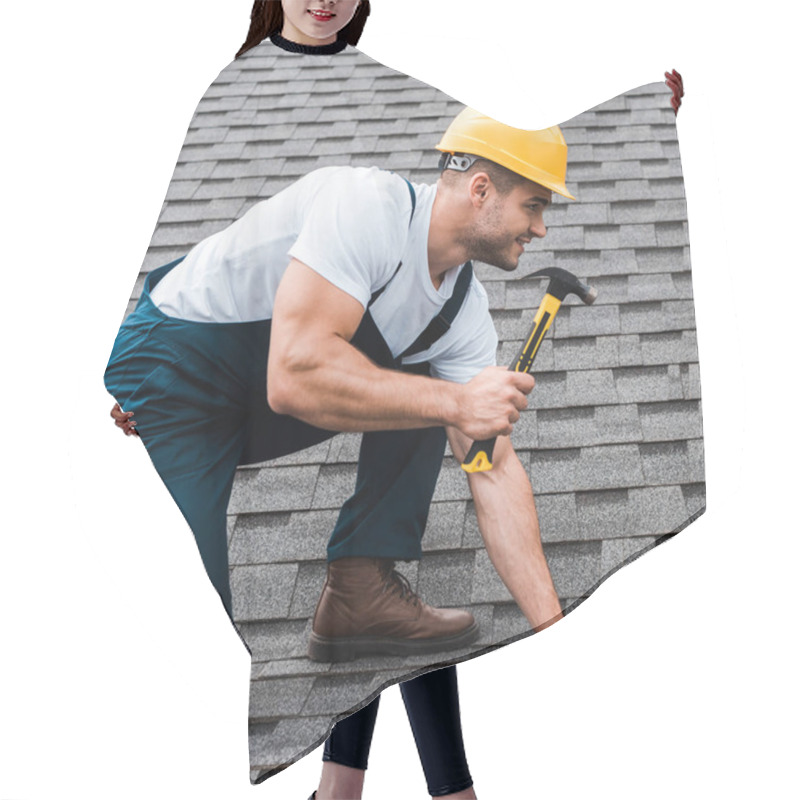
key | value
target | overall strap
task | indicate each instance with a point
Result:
(377, 294)
(441, 323)
(413, 199)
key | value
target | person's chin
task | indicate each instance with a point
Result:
(508, 264)
(506, 261)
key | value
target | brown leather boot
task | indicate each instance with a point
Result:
(368, 608)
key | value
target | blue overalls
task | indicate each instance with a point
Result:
(199, 393)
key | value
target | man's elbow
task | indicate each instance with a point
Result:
(283, 393)
(278, 399)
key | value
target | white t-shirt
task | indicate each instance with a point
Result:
(350, 225)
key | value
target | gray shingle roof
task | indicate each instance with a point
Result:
(613, 440)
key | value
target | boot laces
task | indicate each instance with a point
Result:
(396, 582)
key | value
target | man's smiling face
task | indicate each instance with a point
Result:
(506, 223)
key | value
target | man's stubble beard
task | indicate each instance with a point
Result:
(487, 242)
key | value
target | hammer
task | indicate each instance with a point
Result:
(562, 283)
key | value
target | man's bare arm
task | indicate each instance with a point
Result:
(509, 525)
(316, 375)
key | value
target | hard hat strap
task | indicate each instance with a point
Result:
(459, 162)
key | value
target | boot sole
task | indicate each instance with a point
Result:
(321, 648)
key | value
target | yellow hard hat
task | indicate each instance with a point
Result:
(539, 156)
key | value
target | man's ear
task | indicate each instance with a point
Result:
(480, 186)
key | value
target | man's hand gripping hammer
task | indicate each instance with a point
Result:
(562, 283)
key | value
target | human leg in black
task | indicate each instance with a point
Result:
(350, 739)
(435, 716)
(432, 706)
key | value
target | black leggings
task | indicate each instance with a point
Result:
(433, 711)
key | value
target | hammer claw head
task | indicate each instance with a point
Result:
(563, 283)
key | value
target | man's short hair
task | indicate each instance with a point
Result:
(504, 179)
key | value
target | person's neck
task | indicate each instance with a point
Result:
(294, 46)
(445, 250)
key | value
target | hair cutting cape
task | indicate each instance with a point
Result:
(612, 440)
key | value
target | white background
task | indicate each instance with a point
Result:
(677, 678)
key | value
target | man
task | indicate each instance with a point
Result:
(353, 292)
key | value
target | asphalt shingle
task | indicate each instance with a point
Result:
(648, 384)
(445, 579)
(586, 468)
(690, 377)
(335, 484)
(565, 427)
(486, 584)
(669, 421)
(271, 489)
(345, 448)
(575, 567)
(337, 694)
(658, 509)
(509, 622)
(550, 390)
(670, 347)
(452, 483)
(617, 423)
(184, 236)
(445, 526)
(590, 387)
(202, 211)
(307, 589)
(666, 463)
(293, 736)
(282, 537)
(279, 697)
(237, 187)
(579, 321)
(619, 551)
(662, 259)
(262, 592)
(694, 495)
(526, 431)
(603, 514)
(558, 519)
(586, 352)
(271, 640)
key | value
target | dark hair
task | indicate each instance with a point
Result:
(504, 179)
(266, 19)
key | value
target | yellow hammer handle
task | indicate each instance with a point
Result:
(479, 457)
(541, 324)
